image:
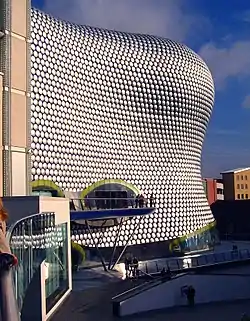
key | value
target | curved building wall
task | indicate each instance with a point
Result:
(113, 105)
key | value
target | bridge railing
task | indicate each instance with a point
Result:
(97, 203)
(156, 266)
(28, 239)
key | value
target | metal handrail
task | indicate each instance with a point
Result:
(23, 219)
(180, 264)
(16, 230)
(106, 198)
(91, 203)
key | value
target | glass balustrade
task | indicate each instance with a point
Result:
(194, 261)
(36, 239)
(94, 203)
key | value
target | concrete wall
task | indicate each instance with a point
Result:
(58, 205)
(209, 288)
(19, 207)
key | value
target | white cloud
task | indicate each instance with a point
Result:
(246, 102)
(246, 16)
(227, 62)
(157, 17)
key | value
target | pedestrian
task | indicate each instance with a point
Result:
(135, 265)
(166, 273)
(128, 263)
(127, 266)
(152, 201)
(141, 201)
(88, 202)
(137, 201)
(191, 295)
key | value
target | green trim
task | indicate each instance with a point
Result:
(48, 184)
(201, 230)
(181, 239)
(90, 188)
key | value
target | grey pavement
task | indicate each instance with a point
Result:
(93, 290)
(95, 277)
(95, 304)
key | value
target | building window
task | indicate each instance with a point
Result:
(242, 177)
(242, 196)
(246, 186)
(246, 196)
(238, 186)
(238, 196)
(246, 177)
(242, 186)
(237, 177)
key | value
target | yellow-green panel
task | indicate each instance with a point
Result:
(90, 188)
(41, 183)
(181, 239)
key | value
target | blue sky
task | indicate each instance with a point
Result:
(219, 30)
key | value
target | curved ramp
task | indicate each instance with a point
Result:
(215, 283)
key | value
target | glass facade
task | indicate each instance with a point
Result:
(34, 240)
(201, 241)
(110, 196)
(204, 239)
(41, 193)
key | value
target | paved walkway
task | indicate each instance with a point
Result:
(93, 290)
(210, 312)
(95, 304)
(95, 277)
(174, 263)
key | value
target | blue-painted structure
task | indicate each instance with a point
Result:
(109, 213)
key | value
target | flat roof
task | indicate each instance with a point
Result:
(236, 170)
(109, 213)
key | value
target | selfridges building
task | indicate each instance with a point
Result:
(112, 106)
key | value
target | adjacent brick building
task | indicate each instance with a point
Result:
(213, 189)
(236, 184)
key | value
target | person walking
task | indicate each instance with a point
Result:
(128, 263)
(141, 201)
(191, 295)
(126, 267)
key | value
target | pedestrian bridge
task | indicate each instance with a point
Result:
(215, 282)
(193, 261)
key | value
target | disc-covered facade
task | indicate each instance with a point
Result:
(113, 105)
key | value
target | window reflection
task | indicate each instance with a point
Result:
(57, 281)
(34, 240)
(201, 241)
